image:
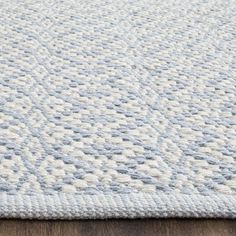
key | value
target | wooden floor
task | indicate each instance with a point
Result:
(148, 227)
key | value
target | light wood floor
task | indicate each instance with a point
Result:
(148, 227)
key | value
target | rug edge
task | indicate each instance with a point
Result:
(102, 206)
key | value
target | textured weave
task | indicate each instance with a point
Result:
(121, 108)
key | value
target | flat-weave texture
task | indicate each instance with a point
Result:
(117, 108)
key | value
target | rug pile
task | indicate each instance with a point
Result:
(120, 108)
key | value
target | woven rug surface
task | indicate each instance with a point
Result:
(121, 108)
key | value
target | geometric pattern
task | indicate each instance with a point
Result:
(118, 98)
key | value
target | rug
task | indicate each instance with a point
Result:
(117, 109)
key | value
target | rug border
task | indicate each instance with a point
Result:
(103, 206)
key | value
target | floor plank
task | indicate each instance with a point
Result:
(147, 227)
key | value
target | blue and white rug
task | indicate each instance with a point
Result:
(117, 108)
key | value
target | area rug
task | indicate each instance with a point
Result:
(117, 109)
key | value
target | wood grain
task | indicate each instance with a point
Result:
(147, 227)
